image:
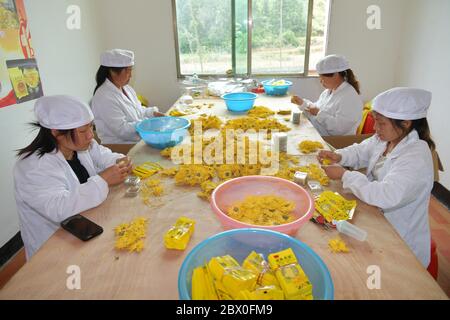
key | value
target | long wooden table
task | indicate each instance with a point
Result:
(152, 274)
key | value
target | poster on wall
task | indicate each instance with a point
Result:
(19, 74)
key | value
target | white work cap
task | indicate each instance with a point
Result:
(403, 103)
(62, 112)
(332, 64)
(117, 58)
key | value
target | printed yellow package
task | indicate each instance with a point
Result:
(202, 285)
(262, 293)
(147, 169)
(290, 275)
(238, 279)
(256, 263)
(332, 206)
(179, 235)
(218, 265)
(31, 76)
(18, 82)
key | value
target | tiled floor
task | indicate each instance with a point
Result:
(440, 232)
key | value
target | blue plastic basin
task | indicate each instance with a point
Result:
(239, 101)
(276, 90)
(240, 242)
(163, 132)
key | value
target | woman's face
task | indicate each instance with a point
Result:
(82, 139)
(386, 129)
(330, 82)
(123, 77)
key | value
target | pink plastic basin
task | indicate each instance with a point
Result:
(238, 189)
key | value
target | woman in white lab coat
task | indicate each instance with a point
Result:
(399, 165)
(115, 104)
(63, 171)
(339, 108)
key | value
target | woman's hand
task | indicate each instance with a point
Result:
(125, 162)
(334, 172)
(158, 114)
(297, 100)
(114, 175)
(313, 110)
(332, 157)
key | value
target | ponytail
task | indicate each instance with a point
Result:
(422, 128)
(104, 73)
(350, 77)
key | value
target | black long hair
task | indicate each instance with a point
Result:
(349, 76)
(104, 73)
(422, 128)
(44, 142)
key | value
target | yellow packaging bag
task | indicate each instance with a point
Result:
(256, 263)
(18, 82)
(179, 235)
(333, 206)
(290, 275)
(218, 265)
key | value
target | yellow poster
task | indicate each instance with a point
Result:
(19, 74)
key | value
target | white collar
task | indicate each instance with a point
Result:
(412, 137)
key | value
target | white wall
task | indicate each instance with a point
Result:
(146, 28)
(149, 33)
(66, 67)
(424, 63)
(372, 53)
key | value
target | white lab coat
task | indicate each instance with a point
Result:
(47, 191)
(116, 115)
(340, 111)
(403, 189)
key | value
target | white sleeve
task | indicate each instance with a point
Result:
(149, 111)
(398, 188)
(330, 121)
(103, 157)
(118, 124)
(342, 114)
(358, 155)
(45, 189)
(305, 105)
(146, 111)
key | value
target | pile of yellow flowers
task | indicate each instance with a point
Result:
(247, 123)
(207, 188)
(260, 112)
(204, 173)
(170, 172)
(207, 122)
(198, 174)
(315, 173)
(337, 245)
(265, 210)
(130, 236)
(194, 174)
(308, 146)
(150, 187)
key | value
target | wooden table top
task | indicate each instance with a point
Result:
(152, 273)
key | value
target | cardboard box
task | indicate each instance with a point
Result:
(339, 142)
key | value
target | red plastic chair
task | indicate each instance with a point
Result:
(369, 124)
(433, 266)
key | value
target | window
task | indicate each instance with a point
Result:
(249, 37)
